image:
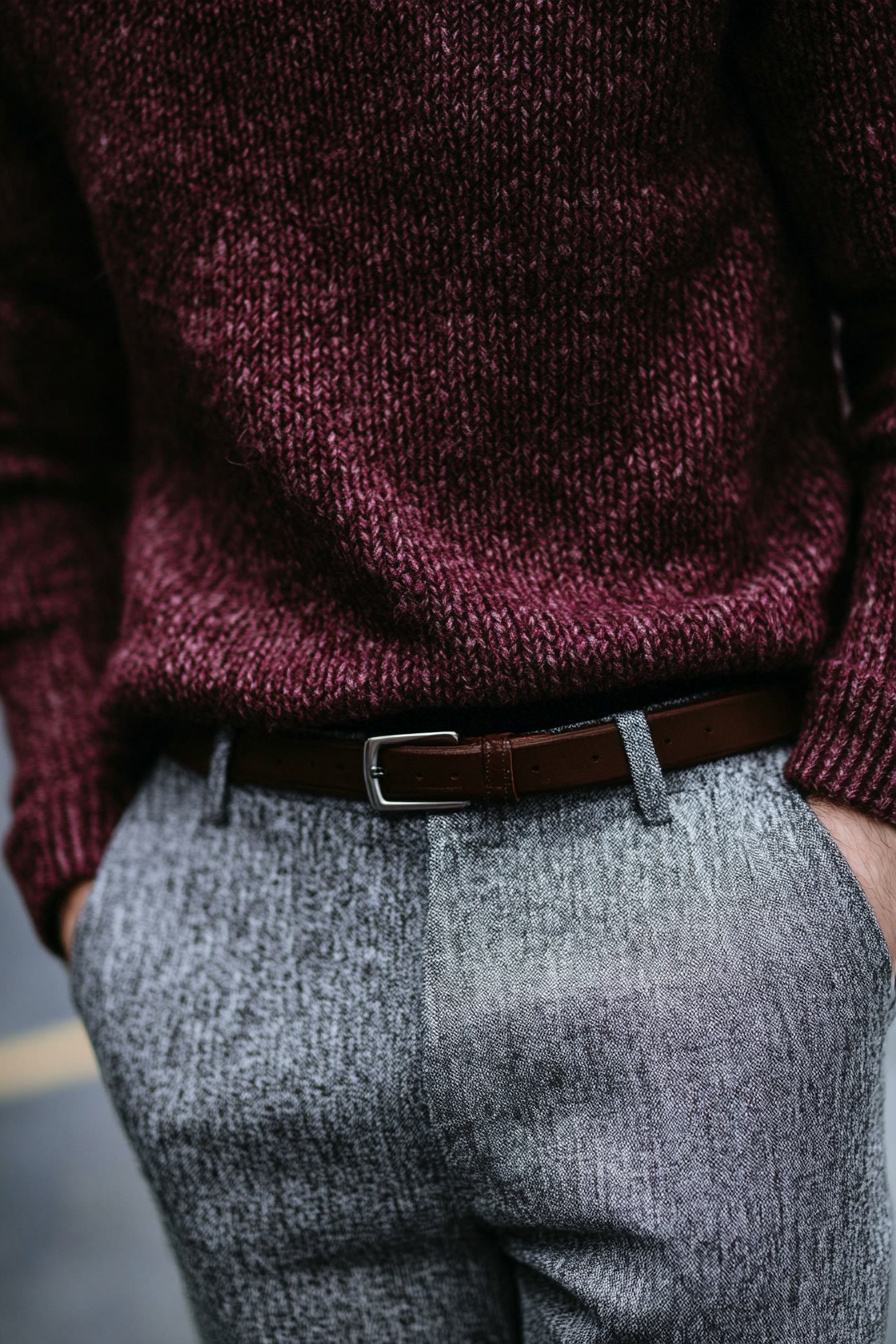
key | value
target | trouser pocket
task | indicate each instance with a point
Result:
(114, 867)
(839, 890)
(124, 929)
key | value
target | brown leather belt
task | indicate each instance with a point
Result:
(439, 770)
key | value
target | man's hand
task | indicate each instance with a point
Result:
(68, 915)
(869, 847)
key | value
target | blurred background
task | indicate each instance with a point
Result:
(82, 1256)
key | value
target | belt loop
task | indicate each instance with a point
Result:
(216, 789)
(647, 773)
(497, 768)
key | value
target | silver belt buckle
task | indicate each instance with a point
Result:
(373, 773)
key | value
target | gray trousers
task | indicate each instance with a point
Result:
(601, 1065)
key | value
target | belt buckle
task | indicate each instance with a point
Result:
(373, 773)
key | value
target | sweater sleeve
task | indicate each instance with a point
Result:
(62, 439)
(820, 76)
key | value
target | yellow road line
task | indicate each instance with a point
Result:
(38, 1061)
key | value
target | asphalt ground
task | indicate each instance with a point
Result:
(82, 1255)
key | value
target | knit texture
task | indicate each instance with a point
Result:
(384, 356)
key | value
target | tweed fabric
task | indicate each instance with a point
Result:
(647, 773)
(523, 1072)
(376, 357)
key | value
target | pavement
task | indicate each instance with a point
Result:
(82, 1256)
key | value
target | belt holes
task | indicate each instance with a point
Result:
(419, 776)
(667, 740)
(455, 776)
(534, 767)
(707, 730)
(596, 756)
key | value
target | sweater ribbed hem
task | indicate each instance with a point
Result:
(57, 839)
(846, 750)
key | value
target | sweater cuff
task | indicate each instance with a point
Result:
(846, 750)
(57, 839)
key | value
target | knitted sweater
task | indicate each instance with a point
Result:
(379, 355)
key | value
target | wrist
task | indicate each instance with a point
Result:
(69, 910)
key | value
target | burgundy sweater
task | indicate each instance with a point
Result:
(379, 355)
